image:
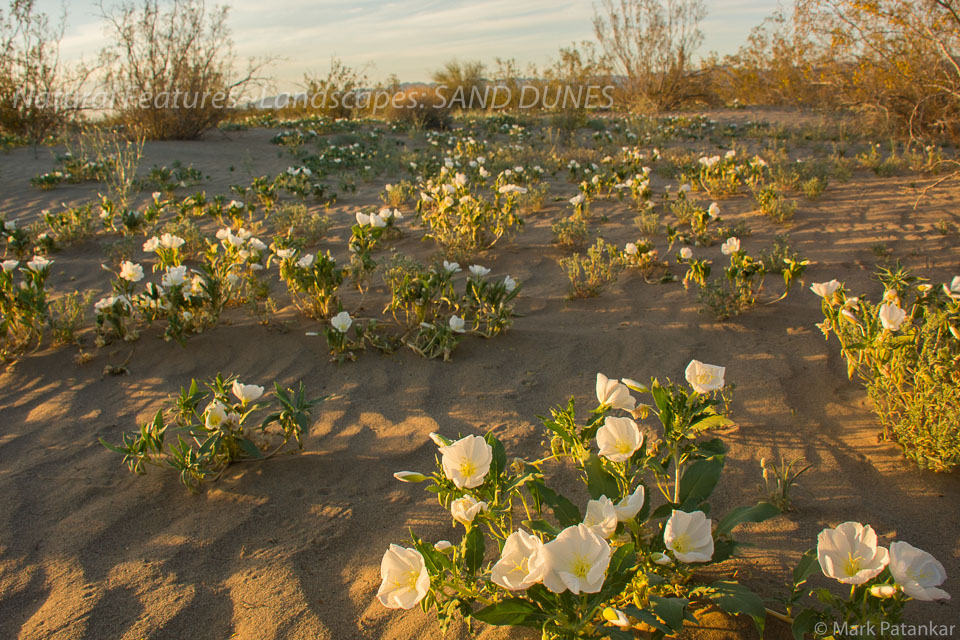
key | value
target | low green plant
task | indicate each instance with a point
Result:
(590, 274)
(214, 430)
(906, 351)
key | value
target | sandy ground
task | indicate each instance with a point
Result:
(291, 548)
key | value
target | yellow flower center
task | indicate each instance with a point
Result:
(580, 566)
(624, 447)
(852, 566)
(467, 468)
(681, 543)
(407, 580)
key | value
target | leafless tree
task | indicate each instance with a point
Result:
(650, 44)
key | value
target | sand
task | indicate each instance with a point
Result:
(290, 548)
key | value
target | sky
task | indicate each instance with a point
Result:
(409, 38)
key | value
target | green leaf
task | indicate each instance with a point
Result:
(250, 448)
(806, 567)
(473, 549)
(670, 610)
(543, 527)
(712, 422)
(512, 612)
(618, 634)
(566, 512)
(499, 463)
(698, 482)
(599, 482)
(757, 513)
(804, 624)
(734, 598)
(620, 571)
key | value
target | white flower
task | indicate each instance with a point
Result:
(891, 316)
(849, 553)
(477, 271)
(171, 241)
(511, 188)
(466, 461)
(456, 324)
(285, 254)
(306, 261)
(917, 572)
(246, 392)
(451, 267)
(731, 246)
(131, 271)
(404, 576)
(686, 253)
(688, 536)
(684, 188)
(174, 276)
(611, 392)
(953, 289)
(825, 289)
(618, 438)
(629, 507)
(10, 265)
(578, 199)
(601, 516)
(704, 378)
(215, 415)
(465, 509)
(341, 322)
(631, 249)
(151, 245)
(256, 244)
(509, 284)
(577, 560)
(363, 219)
(512, 570)
(39, 263)
(714, 210)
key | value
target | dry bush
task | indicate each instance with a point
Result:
(463, 84)
(421, 107)
(650, 44)
(334, 95)
(171, 68)
(36, 90)
(896, 60)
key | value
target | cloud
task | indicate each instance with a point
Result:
(410, 38)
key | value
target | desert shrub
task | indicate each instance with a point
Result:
(213, 429)
(420, 107)
(570, 232)
(332, 96)
(906, 350)
(773, 204)
(399, 194)
(179, 57)
(650, 44)
(35, 86)
(813, 188)
(297, 225)
(67, 315)
(590, 274)
(462, 84)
